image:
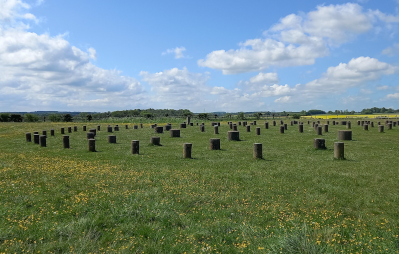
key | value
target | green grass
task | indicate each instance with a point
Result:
(295, 200)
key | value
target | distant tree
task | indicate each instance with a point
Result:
(146, 114)
(31, 118)
(215, 115)
(315, 112)
(54, 117)
(67, 118)
(15, 118)
(4, 117)
(203, 116)
(89, 117)
(258, 115)
(296, 116)
(240, 116)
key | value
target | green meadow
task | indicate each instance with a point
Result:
(295, 200)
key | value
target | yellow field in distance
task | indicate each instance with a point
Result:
(373, 116)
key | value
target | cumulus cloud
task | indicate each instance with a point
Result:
(355, 73)
(298, 39)
(382, 87)
(178, 51)
(45, 72)
(393, 96)
(176, 87)
(391, 51)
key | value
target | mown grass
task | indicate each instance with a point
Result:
(296, 200)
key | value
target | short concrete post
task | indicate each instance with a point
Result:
(187, 147)
(319, 130)
(202, 128)
(339, 150)
(254, 122)
(313, 124)
(231, 125)
(141, 125)
(36, 139)
(308, 122)
(379, 123)
(328, 122)
(191, 124)
(44, 133)
(316, 126)
(75, 128)
(257, 130)
(389, 126)
(325, 128)
(158, 129)
(156, 141)
(372, 124)
(28, 137)
(174, 133)
(62, 130)
(126, 126)
(84, 127)
(69, 129)
(281, 122)
(188, 120)
(214, 144)
(92, 145)
(43, 141)
(274, 123)
(344, 135)
(239, 123)
(135, 147)
(89, 135)
(109, 129)
(216, 129)
(183, 125)
(266, 125)
(98, 127)
(168, 127)
(348, 125)
(285, 126)
(366, 127)
(52, 132)
(300, 128)
(258, 151)
(94, 131)
(282, 129)
(65, 141)
(319, 143)
(292, 123)
(135, 127)
(362, 123)
(233, 135)
(380, 128)
(358, 122)
(116, 128)
(111, 139)
(248, 128)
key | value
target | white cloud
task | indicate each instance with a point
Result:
(178, 51)
(268, 78)
(45, 72)
(391, 51)
(283, 99)
(355, 73)
(393, 96)
(382, 87)
(297, 39)
(178, 88)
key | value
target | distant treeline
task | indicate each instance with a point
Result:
(55, 116)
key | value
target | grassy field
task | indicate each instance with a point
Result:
(295, 200)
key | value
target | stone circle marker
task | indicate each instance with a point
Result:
(319, 143)
(111, 139)
(345, 135)
(135, 147)
(174, 133)
(214, 144)
(36, 139)
(216, 129)
(187, 147)
(155, 141)
(28, 137)
(233, 135)
(339, 150)
(43, 141)
(92, 145)
(65, 141)
(258, 151)
(159, 129)
(257, 130)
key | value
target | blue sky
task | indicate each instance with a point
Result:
(204, 56)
